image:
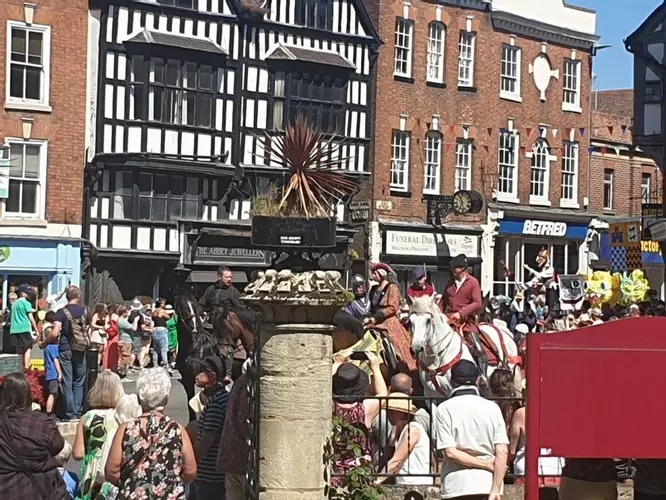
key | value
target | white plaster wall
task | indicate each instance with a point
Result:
(553, 12)
(39, 229)
(91, 84)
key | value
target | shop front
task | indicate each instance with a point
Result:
(518, 240)
(653, 265)
(405, 250)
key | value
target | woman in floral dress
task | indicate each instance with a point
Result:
(151, 457)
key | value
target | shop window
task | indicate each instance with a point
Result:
(508, 268)
(572, 257)
(558, 258)
(122, 196)
(39, 283)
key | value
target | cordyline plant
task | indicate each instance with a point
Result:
(312, 181)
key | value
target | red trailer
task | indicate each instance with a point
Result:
(596, 392)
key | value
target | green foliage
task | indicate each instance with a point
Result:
(357, 483)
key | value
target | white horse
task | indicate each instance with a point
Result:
(438, 346)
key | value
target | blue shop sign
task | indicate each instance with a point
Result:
(543, 228)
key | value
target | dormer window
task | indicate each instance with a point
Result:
(316, 14)
(185, 4)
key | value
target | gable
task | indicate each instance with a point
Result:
(652, 25)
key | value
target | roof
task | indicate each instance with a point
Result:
(177, 41)
(614, 102)
(656, 15)
(288, 53)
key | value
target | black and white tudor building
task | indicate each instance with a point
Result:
(183, 90)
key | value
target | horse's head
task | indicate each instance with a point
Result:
(425, 317)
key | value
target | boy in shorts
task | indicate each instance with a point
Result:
(22, 324)
(51, 365)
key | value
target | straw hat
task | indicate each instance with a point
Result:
(398, 401)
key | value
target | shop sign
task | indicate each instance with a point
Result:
(4, 254)
(430, 244)
(650, 247)
(359, 210)
(542, 228)
(225, 255)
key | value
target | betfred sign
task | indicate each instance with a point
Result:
(544, 228)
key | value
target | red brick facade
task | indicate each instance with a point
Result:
(63, 126)
(481, 109)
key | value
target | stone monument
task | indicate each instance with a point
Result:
(295, 388)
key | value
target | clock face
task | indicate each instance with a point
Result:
(462, 202)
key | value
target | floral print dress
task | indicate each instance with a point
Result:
(158, 476)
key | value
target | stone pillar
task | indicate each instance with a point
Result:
(295, 379)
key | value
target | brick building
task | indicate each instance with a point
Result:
(43, 132)
(485, 96)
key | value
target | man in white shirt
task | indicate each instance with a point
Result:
(472, 434)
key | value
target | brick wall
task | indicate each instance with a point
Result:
(481, 109)
(64, 126)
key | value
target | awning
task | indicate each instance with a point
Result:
(314, 56)
(211, 277)
(177, 41)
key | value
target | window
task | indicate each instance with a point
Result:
(433, 163)
(184, 199)
(570, 173)
(27, 180)
(314, 14)
(279, 83)
(571, 99)
(320, 99)
(436, 48)
(403, 47)
(508, 165)
(181, 93)
(153, 190)
(463, 165)
(122, 195)
(28, 66)
(652, 91)
(466, 59)
(540, 171)
(186, 4)
(608, 189)
(400, 161)
(510, 72)
(646, 187)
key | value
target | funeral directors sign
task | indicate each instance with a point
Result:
(430, 244)
(231, 256)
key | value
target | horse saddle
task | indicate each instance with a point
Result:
(479, 344)
(389, 354)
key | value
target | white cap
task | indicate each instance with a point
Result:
(52, 302)
(522, 328)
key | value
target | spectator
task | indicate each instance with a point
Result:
(584, 478)
(209, 483)
(93, 429)
(111, 359)
(650, 480)
(53, 375)
(160, 334)
(172, 326)
(29, 444)
(126, 340)
(502, 386)
(70, 478)
(143, 334)
(154, 438)
(98, 325)
(22, 325)
(472, 434)
(70, 326)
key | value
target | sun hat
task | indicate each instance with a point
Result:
(584, 319)
(400, 402)
(350, 382)
(168, 307)
(136, 305)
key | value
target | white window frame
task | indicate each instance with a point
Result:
(408, 34)
(646, 187)
(542, 148)
(570, 169)
(432, 166)
(436, 50)
(506, 78)
(466, 44)
(609, 183)
(43, 104)
(464, 159)
(401, 161)
(511, 197)
(41, 190)
(573, 91)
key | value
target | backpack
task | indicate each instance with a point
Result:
(80, 340)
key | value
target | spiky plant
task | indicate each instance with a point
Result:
(312, 182)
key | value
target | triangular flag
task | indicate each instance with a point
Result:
(528, 131)
(624, 128)
(490, 131)
(503, 131)
(523, 150)
(485, 146)
(595, 131)
(604, 150)
(610, 129)
(590, 149)
(582, 131)
(452, 129)
(617, 150)
(448, 146)
(567, 131)
(564, 150)
(554, 132)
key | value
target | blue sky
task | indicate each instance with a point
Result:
(616, 19)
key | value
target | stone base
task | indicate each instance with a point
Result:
(511, 492)
(68, 430)
(10, 363)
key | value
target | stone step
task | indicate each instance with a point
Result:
(10, 363)
(68, 430)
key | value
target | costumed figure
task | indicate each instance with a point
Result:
(384, 309)
(360, 306)
(420, 286)
(544, 274)
(602, 288)
(634, 288)
(571, 292)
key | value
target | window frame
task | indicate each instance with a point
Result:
(436, 25)
(301, 10)
(430, 154)
(646, 187)
(568, 160)
(504, 63)
(609, 184)
(513, 195)
(404, 186)
(464, 149)
(472, 59)
(399, 21)
(41, 181)
(541, 148)
(193, 2)
(575, 106)
(44, 103)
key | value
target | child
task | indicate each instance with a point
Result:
(70, 478)
(51, 365)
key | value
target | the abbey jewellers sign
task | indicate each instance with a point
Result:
(431, 244)
(225, 255)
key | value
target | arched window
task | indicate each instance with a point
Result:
(436, 51)
(540, 171)
(433, 163)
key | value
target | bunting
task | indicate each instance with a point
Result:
(604, 150)
(624, 128)
(590, 149)
(528, 131)
(452, 129)
(523, 151)
(582, 131)
(485, 146)
(448, 147)
(554, 133)
(568, 132)
(595, 131)
(610, 129)
(617, 150)
(490, 131)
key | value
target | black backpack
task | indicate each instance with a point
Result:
(78, 327)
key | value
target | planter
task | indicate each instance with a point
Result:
(293, 232)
